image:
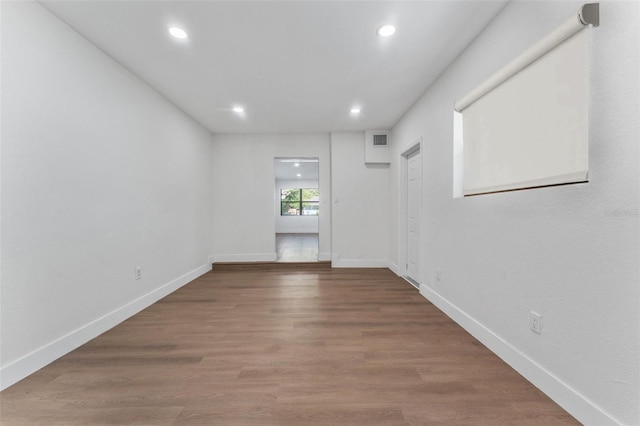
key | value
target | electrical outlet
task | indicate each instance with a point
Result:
(438, 274)
(535, 322)
(138, 273)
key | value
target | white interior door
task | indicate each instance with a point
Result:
(413, 215)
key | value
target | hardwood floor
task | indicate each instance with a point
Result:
(297, 247)
(283, 347)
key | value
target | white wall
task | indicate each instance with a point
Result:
(294, 224)
(243, 187)
(360, 227)
(100, 174)
(569, 253)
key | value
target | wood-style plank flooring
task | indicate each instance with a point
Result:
(319, 347)
(297, 247)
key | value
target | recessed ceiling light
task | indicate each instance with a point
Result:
(238, 109)
(355, 110)
(386, 30)
(299, 175)
(296, 165)
(178, 32)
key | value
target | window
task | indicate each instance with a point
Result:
(299, 202)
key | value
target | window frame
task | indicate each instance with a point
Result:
(300, 202)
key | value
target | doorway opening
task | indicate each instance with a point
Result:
(297, 193)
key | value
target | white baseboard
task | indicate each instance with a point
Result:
(32, 362)
(359, 263)
(577, 405)
(255, 257)
(323, 257)
(394, 268)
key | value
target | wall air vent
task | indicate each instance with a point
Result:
(380, 140)
(377, 150)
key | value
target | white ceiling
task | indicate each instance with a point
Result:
(295, 66)
(285, 168)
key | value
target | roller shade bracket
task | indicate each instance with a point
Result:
(590, 14)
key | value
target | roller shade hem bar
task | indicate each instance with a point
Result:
(565, 179)
(587, 15)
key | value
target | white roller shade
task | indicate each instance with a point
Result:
(527, 126)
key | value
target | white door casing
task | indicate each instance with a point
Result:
(414, 179)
